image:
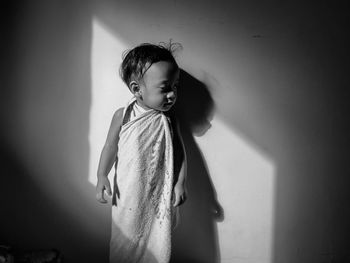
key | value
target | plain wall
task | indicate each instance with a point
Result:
(46, 199)
(263, 107)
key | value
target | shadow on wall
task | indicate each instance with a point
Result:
(31, 220)
(196, 237)
(45, 198)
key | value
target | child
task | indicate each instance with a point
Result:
(145, 143)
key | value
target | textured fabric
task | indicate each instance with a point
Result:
(143, 214)
(135, 111)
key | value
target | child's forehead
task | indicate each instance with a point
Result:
(162, 70)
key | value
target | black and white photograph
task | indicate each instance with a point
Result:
(174, 131)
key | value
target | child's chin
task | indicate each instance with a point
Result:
(167, 107)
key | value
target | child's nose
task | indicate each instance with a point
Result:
(171, 95)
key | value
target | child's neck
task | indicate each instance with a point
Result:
(139, 103)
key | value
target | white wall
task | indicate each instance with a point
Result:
(267, 159)
(46, 199)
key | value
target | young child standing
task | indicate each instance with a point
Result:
(145, 143)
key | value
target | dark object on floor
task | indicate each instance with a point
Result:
(10, 255)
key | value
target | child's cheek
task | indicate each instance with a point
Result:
(159, 99)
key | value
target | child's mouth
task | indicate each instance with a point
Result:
(168, 104)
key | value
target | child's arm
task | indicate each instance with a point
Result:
(180, 191)
(108, 157)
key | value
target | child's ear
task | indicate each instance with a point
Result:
(135, 88)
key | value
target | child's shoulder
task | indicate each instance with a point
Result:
(118, 113)
(118, 117)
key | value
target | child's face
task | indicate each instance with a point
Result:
(159, 86)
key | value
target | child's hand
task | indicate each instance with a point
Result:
(180, 194)
(102, 185)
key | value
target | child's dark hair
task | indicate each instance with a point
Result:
(137, 60)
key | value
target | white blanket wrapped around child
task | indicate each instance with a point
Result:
(142, 214)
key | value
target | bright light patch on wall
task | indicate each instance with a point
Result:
(108, 91)
(244, 179)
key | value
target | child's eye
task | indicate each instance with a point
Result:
(169, 88)
(165, 89)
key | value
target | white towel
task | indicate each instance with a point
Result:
(143, 216)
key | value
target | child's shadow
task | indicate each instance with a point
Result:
(196, 239)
